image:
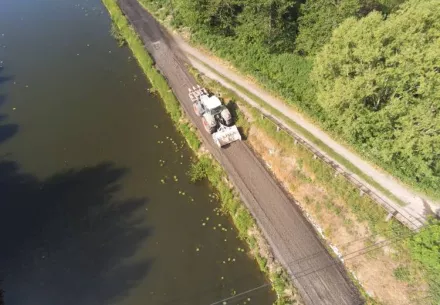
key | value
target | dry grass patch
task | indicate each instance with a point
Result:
(375, 270)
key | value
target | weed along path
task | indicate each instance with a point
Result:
(318, 276)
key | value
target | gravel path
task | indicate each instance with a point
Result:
(417, 207)
(319, 278)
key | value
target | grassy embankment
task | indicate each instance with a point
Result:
(343, 200)
(206, 167)
(287, 74)
(307, 135)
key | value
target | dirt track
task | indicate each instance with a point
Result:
(318, 276)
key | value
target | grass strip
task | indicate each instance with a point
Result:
(307, 135)
(206, 167)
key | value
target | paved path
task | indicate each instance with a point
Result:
(417, 207)
(319, 278)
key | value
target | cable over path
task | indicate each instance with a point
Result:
(281, 221)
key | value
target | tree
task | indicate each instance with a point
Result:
(378, 81)
(318, 19)
(269, 23)
(217, 16)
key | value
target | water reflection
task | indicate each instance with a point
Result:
(69, 223)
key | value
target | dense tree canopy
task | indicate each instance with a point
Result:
(379, 82)
(218, 16)
(270, 23)
(318, 19)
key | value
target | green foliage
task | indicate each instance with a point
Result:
(318, 20)
(381, 77)
(116, 33)
(388, 6)
(190, 135)
(402, 273)
(216, 16)
(268, 23)
(425, 248)
(199, 170)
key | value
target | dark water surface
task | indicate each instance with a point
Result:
(84, 216)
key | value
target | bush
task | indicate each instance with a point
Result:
(425, 248)
(402, 273)
(200, 169)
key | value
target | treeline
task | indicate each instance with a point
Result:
(366, 70)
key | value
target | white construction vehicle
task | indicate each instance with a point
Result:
(216, 118)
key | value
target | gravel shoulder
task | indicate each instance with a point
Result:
(320, 278)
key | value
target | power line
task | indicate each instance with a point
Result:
(337, 262)
(350, 242)
(335, 166)
(370, 248)
(419, 299)
(325, 267)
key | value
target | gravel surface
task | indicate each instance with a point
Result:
(319, 277)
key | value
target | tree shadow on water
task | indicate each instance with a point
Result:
(67, 239)
(6, 130)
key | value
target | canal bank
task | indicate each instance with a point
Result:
(84, 215)
(206, 167)
(319, 279)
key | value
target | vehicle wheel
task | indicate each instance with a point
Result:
(208, 128)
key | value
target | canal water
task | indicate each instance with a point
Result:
(95, 205)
